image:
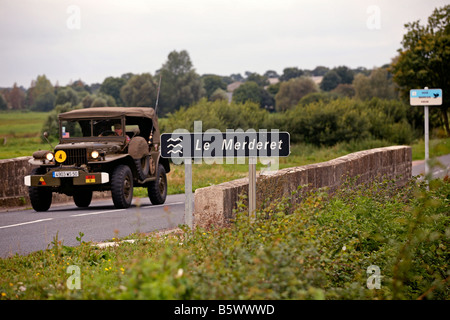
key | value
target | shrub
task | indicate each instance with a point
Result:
(218, 115)
(324, 123)
(327, 122)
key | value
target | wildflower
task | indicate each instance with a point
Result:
(179, 273)
(3, 294)
(344, 248)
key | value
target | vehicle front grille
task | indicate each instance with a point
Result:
(75, 157)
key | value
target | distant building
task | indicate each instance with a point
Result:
(233, 86)
(317, 80)
(273, 80)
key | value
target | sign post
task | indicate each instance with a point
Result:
(426, 97)
(252, 186)
(188, 210)
(183, 146)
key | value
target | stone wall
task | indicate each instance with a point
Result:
(214, 205)
(13, 192)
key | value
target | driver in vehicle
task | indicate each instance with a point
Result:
(119, 131)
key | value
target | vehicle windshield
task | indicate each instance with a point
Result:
(91, 128)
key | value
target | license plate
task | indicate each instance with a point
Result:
(65, 174)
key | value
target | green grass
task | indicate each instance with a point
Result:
(20, 133)
(438, 147)
(320, 248)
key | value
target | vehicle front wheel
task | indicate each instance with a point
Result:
(122, 187)
(40, 197)
(157, 190)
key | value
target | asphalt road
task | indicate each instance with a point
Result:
(440, 167)
(26, 231)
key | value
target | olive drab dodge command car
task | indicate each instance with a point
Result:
(101, 149)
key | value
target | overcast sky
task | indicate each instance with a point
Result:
(91, 40)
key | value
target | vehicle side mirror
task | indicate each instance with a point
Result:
(45, 134)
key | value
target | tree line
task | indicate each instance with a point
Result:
(182, 86)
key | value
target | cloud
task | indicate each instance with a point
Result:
(221, 36)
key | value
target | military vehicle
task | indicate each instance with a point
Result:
(101, 149)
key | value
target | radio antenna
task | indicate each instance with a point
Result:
(157, 95)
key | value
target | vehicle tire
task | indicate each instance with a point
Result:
(40, 197)
(122, 187)
(143, 167)
(82, 198)
(157, 190)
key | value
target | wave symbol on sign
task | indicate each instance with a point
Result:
(173, 146)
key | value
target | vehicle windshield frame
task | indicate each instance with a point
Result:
(93, 130)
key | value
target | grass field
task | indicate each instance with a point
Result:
(20, 135)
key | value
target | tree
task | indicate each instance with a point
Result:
(330, 81)
(345, 73)
(219, 94)
(67, 95)
(271, 74)
(379, 84)
(42, 94)
(236, 77)
(292, 91)
(42, 86)
(3, 105)
(111, 86)
(248, 91)
(344, 90)
(259, 79)
(211, 83)
(139, 91)
(424, 59)
(320, 71)
(80, 86)
(16, 98)
(290, 73)
(180, 84)
(44, 102)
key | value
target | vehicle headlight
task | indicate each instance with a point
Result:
(49, 156)
(94, 154)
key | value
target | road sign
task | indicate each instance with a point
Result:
(425, 97)
(225, 144)
(215, 144)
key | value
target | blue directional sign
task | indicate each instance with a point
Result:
(425, 97)
(225, 144)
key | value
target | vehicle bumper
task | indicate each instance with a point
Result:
(83, 179)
